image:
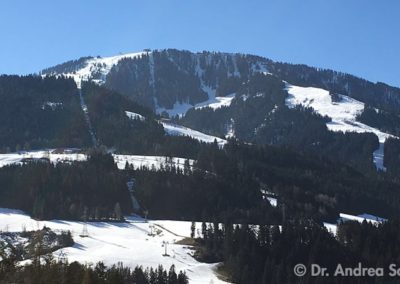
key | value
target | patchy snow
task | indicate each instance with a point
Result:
(332, 228)
(133, 115)
(213, 102)
(51, 105)
(343, 113)
(178, 130)
(179, 109)
(230, 133)
(151, 162)
(87, 117)
(51, 155)
(68, 155)
(273, 201)
(378, 156)
(128, 242)
(260, 67)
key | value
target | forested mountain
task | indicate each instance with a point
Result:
(170, 75)
(38, 113)
(316, 142)
(174, 82)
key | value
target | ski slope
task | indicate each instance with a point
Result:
(342, 113)
(178, 130)
(53, 156)
(99, 65)
(128, 242)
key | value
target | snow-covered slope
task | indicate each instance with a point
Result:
(127, 242)
(343, 113)
(216, 102)
(133, 115)
(138, 161)
(178, 130)
(99, 67)
(213, 102)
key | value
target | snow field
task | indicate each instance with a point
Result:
(178, 130)
(343, 113)
(138, 161)
(128, 242)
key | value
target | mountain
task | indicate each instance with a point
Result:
(212, 137)
(256, 100)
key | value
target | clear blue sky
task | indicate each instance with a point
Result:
(361, 37)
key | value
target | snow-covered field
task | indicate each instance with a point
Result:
(151, 162)
(127, 242)
(17, 158)
(343, 113)
(178, 130)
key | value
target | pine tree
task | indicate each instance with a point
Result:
(117, 211)
(192, 230)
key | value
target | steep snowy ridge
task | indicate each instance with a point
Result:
(343, 113)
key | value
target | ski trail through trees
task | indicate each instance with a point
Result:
(87, 118)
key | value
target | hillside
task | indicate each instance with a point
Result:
(246, 97)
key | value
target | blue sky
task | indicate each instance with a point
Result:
(361, 37)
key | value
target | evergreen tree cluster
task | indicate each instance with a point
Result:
(89, 190)
(38, 113)
(268, 254)
(67, 67)
(385, 121)
(170, 76)
(222, 184)
(226, 185)
(51, 271)
(392, 157)
(116, 130)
